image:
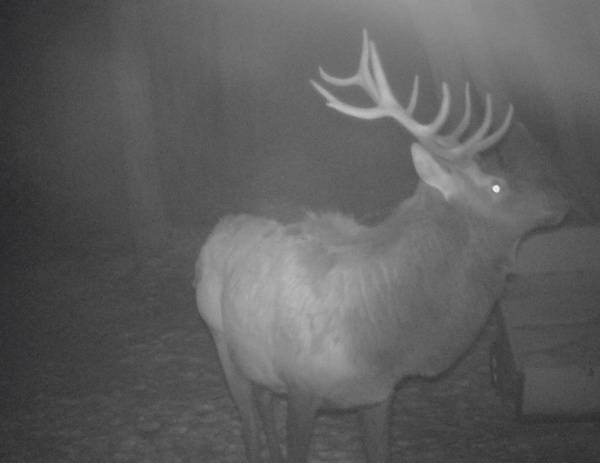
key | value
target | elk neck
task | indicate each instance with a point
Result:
(428, 279)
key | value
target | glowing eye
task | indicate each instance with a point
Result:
(496, 188)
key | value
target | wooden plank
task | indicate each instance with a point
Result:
(525, 284)
(553, 329)
(566, 249)
(550, 309)
(561, 391)
(556, 347)
(551, 314)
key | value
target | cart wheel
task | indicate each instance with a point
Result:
(496, 376)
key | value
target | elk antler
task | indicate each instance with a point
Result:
(371, 78)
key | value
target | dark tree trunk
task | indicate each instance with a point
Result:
(133, 83)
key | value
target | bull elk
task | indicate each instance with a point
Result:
(332, 313)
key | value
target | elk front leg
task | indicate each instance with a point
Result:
(375, 423)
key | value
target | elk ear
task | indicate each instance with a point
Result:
(432, 172)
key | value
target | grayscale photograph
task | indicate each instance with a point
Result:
(320, 231)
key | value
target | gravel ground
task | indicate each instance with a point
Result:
(104, 360)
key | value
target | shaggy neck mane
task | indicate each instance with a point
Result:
(426, 261)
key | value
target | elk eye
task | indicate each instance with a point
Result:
(498, 188)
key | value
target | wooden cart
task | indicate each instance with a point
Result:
(546, 359)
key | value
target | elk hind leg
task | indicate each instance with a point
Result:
(301, 414)
(375, 424)
(241, 389)
(265, 400)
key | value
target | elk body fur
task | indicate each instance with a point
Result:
(333, 313)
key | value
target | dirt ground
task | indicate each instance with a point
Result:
(106, 360)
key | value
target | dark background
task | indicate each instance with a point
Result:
(222, 109)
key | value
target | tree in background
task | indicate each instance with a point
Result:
(132, 74)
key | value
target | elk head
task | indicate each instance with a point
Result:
(447, 163)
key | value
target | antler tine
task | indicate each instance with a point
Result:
(477, 143)
(389, 106)
(386, 97)
(468, 146)
(498, 134)
(464, 123)
(362, 78)
(335, 103)
(373, 82)
(371, 77)
(412, 104)
(432, 128)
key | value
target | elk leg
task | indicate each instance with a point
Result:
(265, 400)
(241, 390)
(301, 413)
(375, 424)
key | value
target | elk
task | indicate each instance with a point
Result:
(332, 313)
